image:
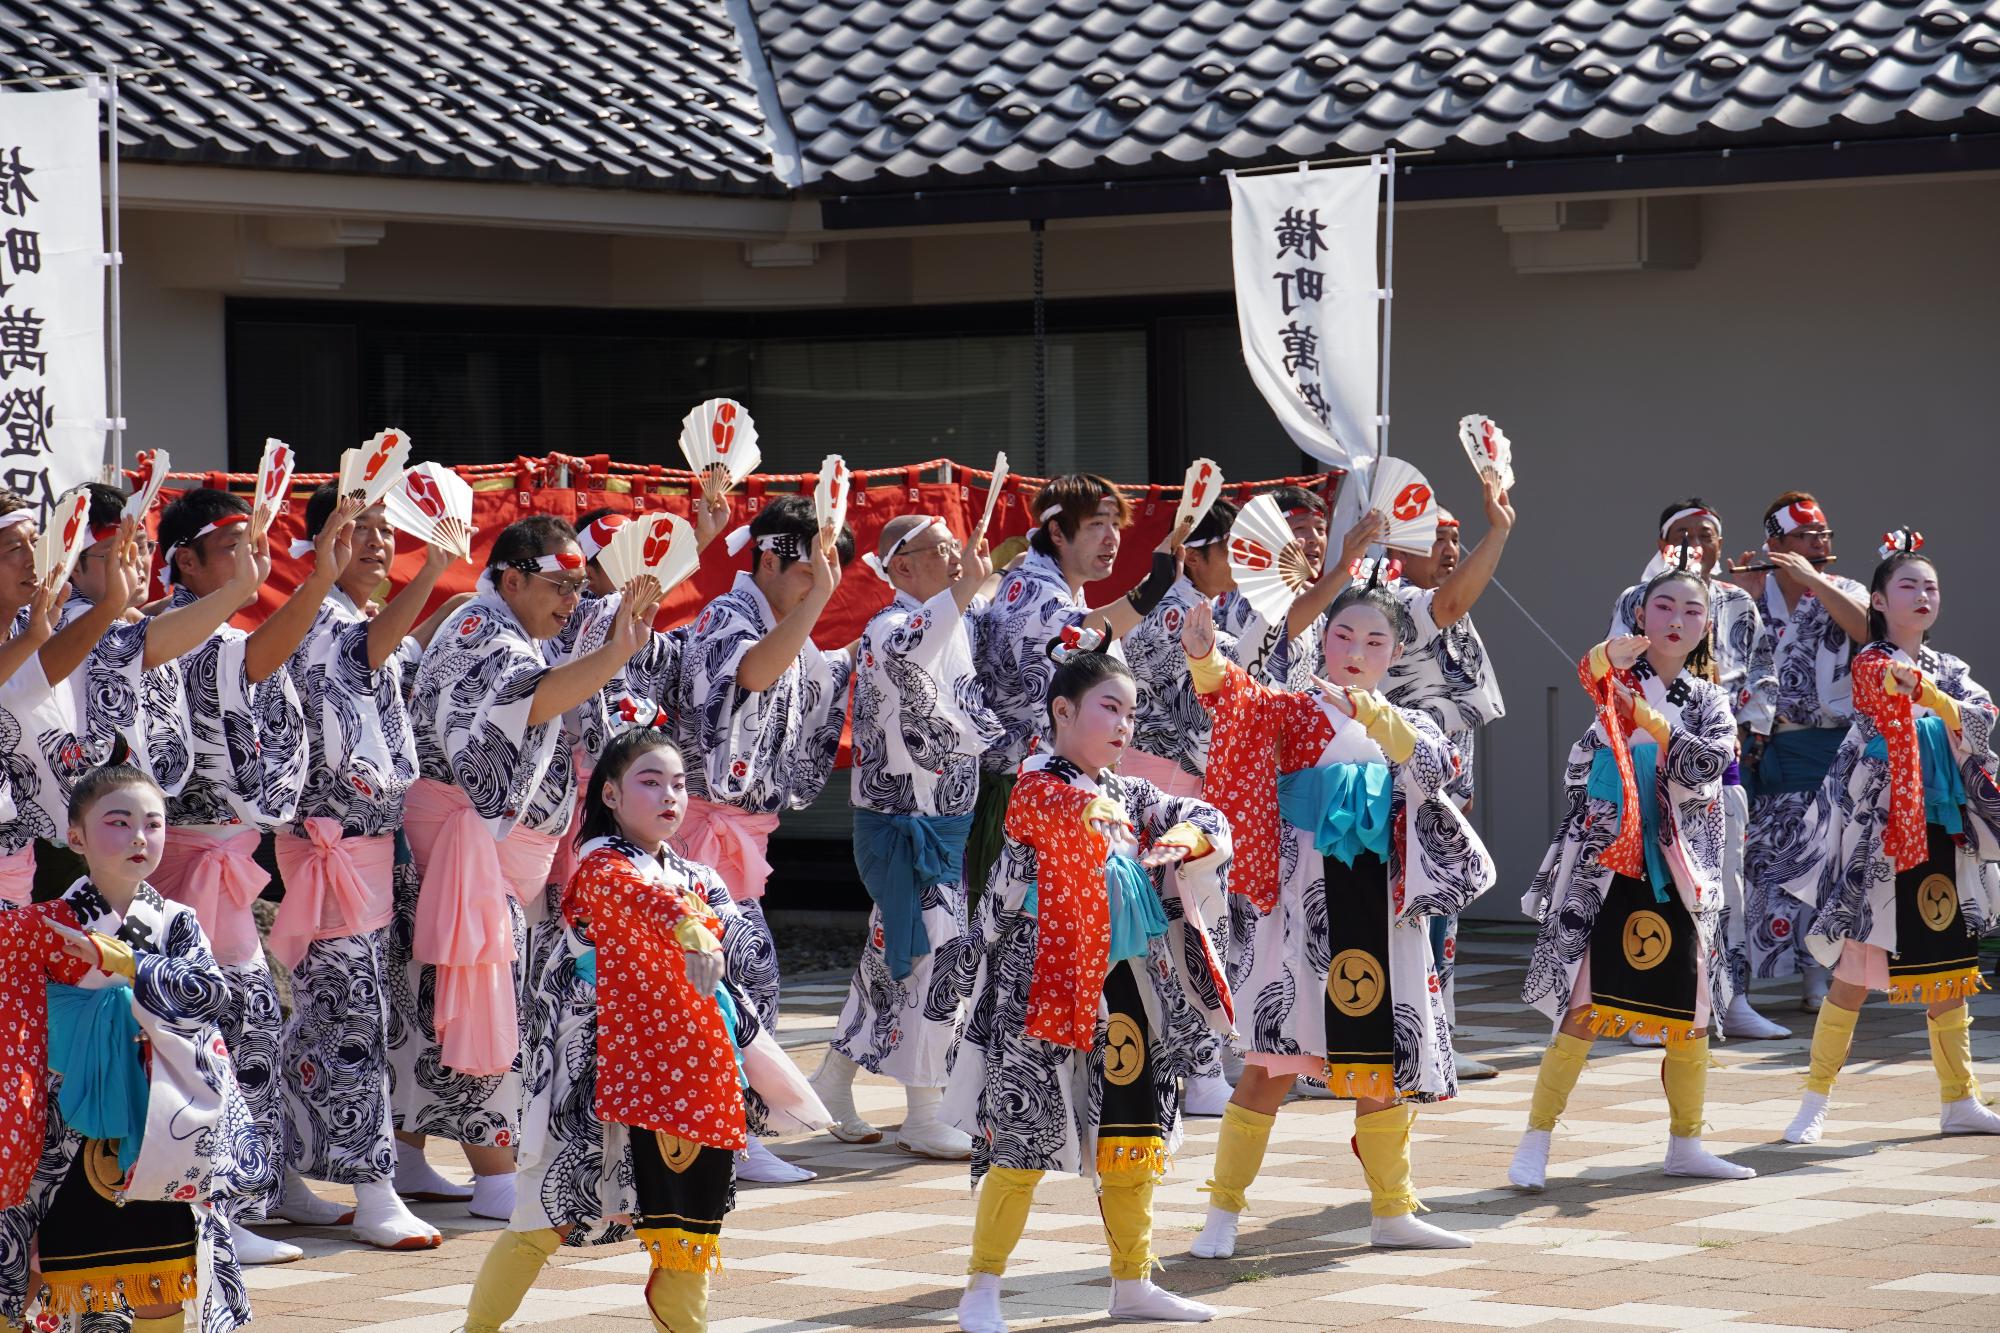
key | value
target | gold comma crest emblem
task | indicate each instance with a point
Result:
(1937, 901)
(678, 1153)
(100, 1167)
(1354, 982)
(1648, 937)
(1124, 1050)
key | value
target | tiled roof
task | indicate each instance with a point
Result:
(939, 92)
(632, 93)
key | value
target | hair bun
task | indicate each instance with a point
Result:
(1074, 640)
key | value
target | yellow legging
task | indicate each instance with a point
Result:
(1685, 1077)
(1951, 1053)
(678, 1301)
(1833, 1035)
(166, 1323)
(510, 1269)
(1562, 1063)
(1125, 1201)
(1239, 1153)
(1382, 1141)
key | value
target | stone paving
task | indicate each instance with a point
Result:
(1884, 1225)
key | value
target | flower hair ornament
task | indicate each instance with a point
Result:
(1373, 571)
(1901, 541)
(1074, 641)
(650, 715)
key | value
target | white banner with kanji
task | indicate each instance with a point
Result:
(51, 293)
(1307, 301)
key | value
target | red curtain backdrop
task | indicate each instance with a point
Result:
(525, 487)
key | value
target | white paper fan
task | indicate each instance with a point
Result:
(68, 532)
(1266, 559)
(274, 479)
(1199, 490)
(993, 488)
(658, 544)
(426, 496)
(1407, 501)
(153, 465)
(375, 466)
(830, 495)
(719, 433)
(1488, 447)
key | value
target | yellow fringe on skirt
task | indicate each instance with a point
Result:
(1129, 1157)
(1374, 1081)
(1937, 987)
(99, 1290)
(680, 1251)
(1609, 1019)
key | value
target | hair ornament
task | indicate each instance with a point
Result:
(650, 716)
(1373, 571)
(1074, 641)
(1901, 541)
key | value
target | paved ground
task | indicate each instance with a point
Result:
(1885, 1225)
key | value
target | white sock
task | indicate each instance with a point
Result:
(1686, 1157)
(923, 1105)
(252, 1248)
(1530, 1168)
(979, 1307)
(1743, 1023)
(1968, 1115)
(1218, 1235)
(418, 1179)
(1810, 1122)
(383, 1220)
(492, 1196)
(301, 1206)
(1137, 1299)
(760, 1166)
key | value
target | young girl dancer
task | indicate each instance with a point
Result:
(1907, 829)
(639, 1030)
(134, 1155)
(1326, 790)
(1079, 1033)
(1630, 894)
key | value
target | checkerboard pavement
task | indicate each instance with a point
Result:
(1884, 1225)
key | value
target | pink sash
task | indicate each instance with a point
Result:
(732, 842)
(17, 876)
(1165, 774)
(563, 870)
(335, 886)
(212, 872)
(462, 926)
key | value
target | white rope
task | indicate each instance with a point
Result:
(1561, 652)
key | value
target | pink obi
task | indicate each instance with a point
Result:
(729, 841)
(17, 876)
(1165, 774)
(564, 868)
(335, 886)
(212, 870)
(463, 928)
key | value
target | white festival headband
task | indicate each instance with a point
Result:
(880, 563)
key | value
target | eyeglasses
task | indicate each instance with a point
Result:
(565, 588)
(950, 546)
(1812, 534)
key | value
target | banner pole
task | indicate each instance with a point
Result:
(1388, 307)
(116, 260)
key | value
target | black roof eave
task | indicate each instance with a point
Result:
(1436, 177)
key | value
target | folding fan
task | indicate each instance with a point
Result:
(274, 481)
(719, 433)
(152, 476)
(1488, 448)
(1406, 500)
(1269, 564)
(993, 487)
(658, 544)
(68, 532)
(1199, 490)
(374, 467)
(830, 495)
(423, 499)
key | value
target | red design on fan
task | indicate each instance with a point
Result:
(424, 492)
(1249, 554)
(1486, 441)
(1201, 483)
(659, 540)
(281, 466)
(75, 520)
(379, 458)
(722, 431)
(1411, 501)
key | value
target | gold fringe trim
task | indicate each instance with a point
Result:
(1609, 1019)
(1937, 987)
(100, 1290)
(680, 1251)
(1377, 1082)
(1131, 1157)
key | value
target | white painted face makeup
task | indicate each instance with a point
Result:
(1910, 601)
(121, 837)
(1361, 645)
(1675, 618)
(1095, 731)
(650, 798)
